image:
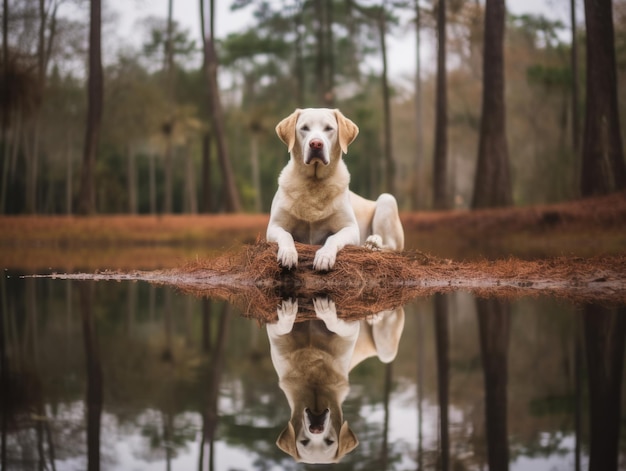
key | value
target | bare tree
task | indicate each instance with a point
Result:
(603, 169)
(419, 138)
(6, 95)
(390, 164)
(87, 194)
(492, 184)
(217, 114)
(440, 157)
(168, 126)
(574, 62)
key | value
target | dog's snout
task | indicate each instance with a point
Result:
(316, 144)
(316, 420)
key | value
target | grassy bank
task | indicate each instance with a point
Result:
(583, 228)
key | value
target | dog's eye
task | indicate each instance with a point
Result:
(304, 128)
(329, 128)
(305, 442)
(329, 441)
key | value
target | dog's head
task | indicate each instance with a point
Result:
(317, 135)
(317, 438)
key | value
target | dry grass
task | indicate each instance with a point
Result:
(363, 282)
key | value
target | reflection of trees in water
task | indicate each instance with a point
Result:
(94, 397)
(443, 385)
(143, 396)
(494, 328)
(605, 332)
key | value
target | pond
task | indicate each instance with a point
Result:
(138, 376)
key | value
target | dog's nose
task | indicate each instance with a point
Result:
(317, 421)
(316, 144)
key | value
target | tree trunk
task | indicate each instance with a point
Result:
(233, 204)
(132, 180)
(324, 58)
(440, 158)
(168, 127)
(300, 85)
(5, 105)
(93, 400)
(256, 174)
(443, 368)
(190, 183)
(494, 327)
(603, 169)
(492, 183)
(574, 65)
(69, 177)
(605, 334)
(390, 165)
(87, 194)
(152, 184)
(206, 174)
(419, 138)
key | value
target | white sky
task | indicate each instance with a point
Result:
(401, 46)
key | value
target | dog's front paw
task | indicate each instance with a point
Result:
(325, 308)
(287, 257)
(324, 259)
(326, 311)
(287, 312)
(374, 242)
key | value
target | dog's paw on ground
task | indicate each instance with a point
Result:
(374, 243)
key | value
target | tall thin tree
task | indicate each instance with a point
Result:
(168, 126)
(231, 195)
(6, 95)
(87, 195)
(574, 61)
(440, 157)
(603, 168)
(492, 183)
(419, 138)
(390, 163)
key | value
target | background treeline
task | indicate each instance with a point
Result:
(158, 149)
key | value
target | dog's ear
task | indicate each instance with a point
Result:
(347, 441)
(287, 441)
(347, 131)
(286, 129)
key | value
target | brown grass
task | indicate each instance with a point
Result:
(584, 228)
(363, 282)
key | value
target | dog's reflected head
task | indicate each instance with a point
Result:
(317, 135)
(317, 437)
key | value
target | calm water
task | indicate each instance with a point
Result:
(140, 377)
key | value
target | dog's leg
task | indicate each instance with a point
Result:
(387, 327)
(287, 254)
(326, 311)
(387, 232)
(326, 256)
(287, 313)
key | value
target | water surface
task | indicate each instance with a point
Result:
(133, 376)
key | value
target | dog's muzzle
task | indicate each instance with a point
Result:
(316, 151)
(316, 421)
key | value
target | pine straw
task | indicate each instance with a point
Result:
(364, 282)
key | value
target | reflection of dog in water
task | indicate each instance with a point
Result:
(312, 360)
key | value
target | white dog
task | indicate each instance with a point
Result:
(313, 204)
(312, 359)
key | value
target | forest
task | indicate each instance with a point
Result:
(515, 105)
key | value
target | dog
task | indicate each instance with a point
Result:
(312, 360)
(313, 203)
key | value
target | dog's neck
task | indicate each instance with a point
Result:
(313, 192)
